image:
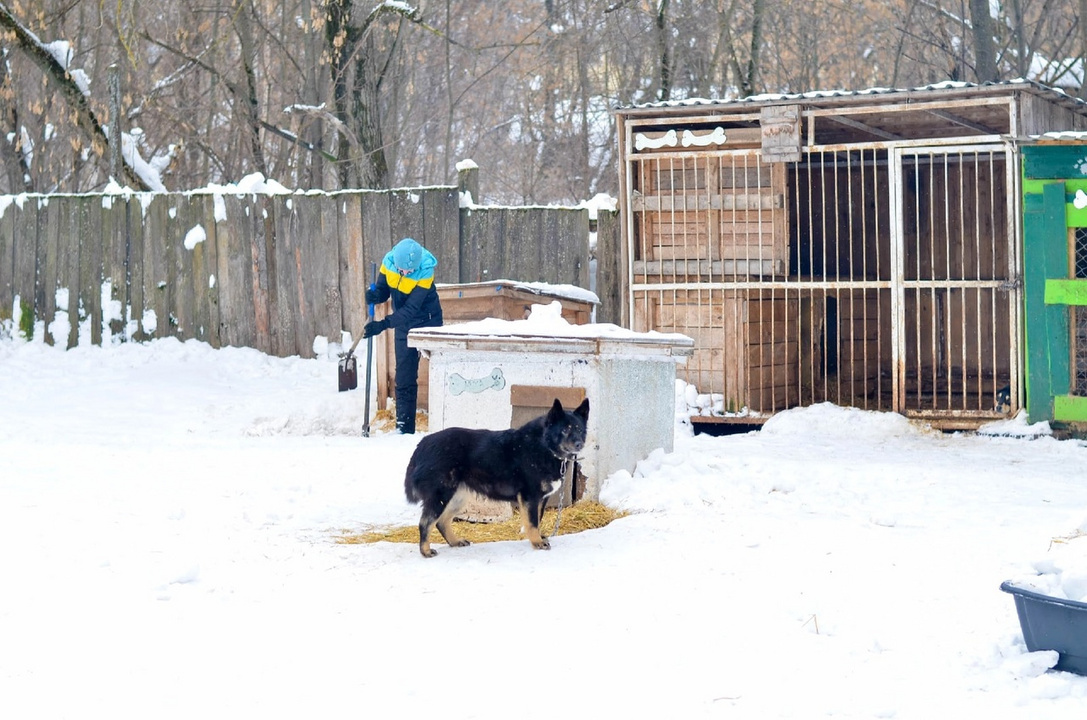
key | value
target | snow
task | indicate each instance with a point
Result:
(546, 320)
(169, 511)
(195, 236)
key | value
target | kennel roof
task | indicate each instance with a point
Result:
(943, 110)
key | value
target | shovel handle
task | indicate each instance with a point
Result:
(369, 359)
(373, 286)
(369, 310)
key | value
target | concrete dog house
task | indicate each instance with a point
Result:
(497, 374)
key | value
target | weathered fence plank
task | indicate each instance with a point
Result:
(90, 263)
(406, 217)
(265, 271)
(68, 267)
(134, 241)
(481, 259)
(114, 263)
(325, 275)
(25, 258)
(608, 268)
(7, 259)
(49, 266)
(203, 258)
(354, 269)
(236, 284)
(291, 316)
(155, 286)
(184, 222)
(441, 220)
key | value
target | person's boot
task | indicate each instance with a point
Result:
(405, 410)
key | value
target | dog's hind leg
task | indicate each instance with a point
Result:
(445, 520)
(530, 519)
(426, 522)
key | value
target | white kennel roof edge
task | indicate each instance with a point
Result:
(641, 345)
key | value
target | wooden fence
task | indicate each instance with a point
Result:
(272, 272)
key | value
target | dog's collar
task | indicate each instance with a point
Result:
(565, 461)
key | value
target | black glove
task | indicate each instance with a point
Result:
(372, 297)
(375, 327)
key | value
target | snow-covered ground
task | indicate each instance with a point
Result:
(168, 517)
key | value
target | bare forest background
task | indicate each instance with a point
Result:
(337, 94)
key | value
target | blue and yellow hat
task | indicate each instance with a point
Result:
(407, 254)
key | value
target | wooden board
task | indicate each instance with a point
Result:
(51, 263)
(25, 258)
(323, 269)
(354, 270)
(718, 208)
(234, 238)
(68, 268)
(90, 264)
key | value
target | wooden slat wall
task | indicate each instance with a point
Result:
(525, 244)
(272, 273)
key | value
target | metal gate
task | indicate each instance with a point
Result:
(879, 277)
(955, 281)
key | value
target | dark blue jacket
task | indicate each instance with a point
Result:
(415, 299)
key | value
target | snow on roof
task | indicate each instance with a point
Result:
(546, 321)
(1065, 135)
(1055, 94)
(567, 292)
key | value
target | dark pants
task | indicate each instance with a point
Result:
(407, 383)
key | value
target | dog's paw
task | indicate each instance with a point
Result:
(428, 553)
(460, 543)
(544, 544)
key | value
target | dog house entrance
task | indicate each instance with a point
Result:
(532, 401)
(882, 277)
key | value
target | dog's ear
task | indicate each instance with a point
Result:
(556, 412)
(583, 410)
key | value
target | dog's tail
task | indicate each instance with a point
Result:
(409, 485)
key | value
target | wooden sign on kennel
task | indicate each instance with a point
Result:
(861, 248)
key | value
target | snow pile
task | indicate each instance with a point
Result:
(826, 420)
(1062, 571)
(1018, 426)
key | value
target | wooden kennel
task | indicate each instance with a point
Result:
(862, 248)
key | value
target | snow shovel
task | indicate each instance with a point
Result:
(349, 369)
(349, 366)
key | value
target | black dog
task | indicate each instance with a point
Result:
(524, 465)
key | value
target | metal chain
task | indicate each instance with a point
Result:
(562, 494)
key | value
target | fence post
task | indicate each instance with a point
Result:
(468, 180)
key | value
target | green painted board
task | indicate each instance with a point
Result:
(1055, 161)
(1045, 256)
(1070, 408)
(1065, 292)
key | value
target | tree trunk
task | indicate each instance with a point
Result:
(984, 43)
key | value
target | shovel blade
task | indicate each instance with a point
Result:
(349, 373)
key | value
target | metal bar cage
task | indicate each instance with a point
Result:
(875, 277)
